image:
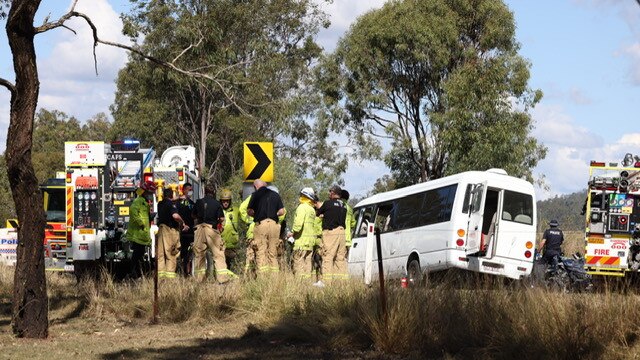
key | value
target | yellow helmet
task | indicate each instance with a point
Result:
(225, 194)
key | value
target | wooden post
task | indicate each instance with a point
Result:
(383, 294)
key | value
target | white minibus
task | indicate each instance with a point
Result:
(477, 221)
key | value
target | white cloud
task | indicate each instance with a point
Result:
(342, 14)
(571, 148)
(555, 127)
(68, 81)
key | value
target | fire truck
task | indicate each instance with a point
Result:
(612, 210)
(101, 181)
(55, 240)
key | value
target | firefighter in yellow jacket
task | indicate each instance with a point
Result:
(230, 230)
(250, 266)
(304, 234)
(139, 233)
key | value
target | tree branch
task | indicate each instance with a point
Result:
(8, 85)
(46, 26)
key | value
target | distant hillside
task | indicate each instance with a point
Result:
(566, 209)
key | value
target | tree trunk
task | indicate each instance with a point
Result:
(30, 303)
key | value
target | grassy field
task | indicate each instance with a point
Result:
(283, 318)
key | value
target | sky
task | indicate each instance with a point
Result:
(584, 56)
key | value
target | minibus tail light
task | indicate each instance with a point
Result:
(460, 232)
(459, 242)
(527, 254)
(529, 245)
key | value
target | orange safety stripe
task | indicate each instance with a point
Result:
(602, 260)
(69, 206)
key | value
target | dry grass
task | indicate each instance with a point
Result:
(462, 321)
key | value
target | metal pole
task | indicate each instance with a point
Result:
(383, 294)
(155, 290)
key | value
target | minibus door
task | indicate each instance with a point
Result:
(476, 212)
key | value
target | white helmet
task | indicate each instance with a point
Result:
(308, 193)
(273, 188)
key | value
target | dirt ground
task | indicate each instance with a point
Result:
(74, 337)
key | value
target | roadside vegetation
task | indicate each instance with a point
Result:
(483, 320)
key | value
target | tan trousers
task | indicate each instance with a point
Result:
(250, 265)
(168, 248)
(334, 249)
(302, 263)
(266, 236)
(208, 237)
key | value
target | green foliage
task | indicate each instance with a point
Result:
(51, 130)
(247, 80)
(441, 82)
(564, 208)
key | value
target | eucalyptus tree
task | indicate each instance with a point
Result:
(440, 82)
(259, 52)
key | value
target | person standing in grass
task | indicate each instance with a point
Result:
(304, 234)
(266, 206)
(170, 224)
(334, 248)
(210, 222)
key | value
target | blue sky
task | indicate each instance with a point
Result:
(585, 57)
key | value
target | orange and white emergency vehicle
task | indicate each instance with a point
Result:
(612, 211)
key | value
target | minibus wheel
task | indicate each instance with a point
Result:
(414, 273)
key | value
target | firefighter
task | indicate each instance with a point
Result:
(551, 243)
(230, 231)
(185, 209)
(266, 206)
(250, 265)
(350, 221)
(138, 231)
(170, 223)
(304, 234)
(334, 248)
(210, 222)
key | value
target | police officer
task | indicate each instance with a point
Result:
(334, 248)
(185, 209)
(552, 240)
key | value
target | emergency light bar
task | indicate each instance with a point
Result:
(125, 145)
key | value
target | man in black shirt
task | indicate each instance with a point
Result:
(210, 222)
(265, 206)
(552, 240)
(169, 225)
(185, 209)
(334, 249)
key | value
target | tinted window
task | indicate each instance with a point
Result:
(384, 216)
(517, 207)
(426, 208)
(467, 196)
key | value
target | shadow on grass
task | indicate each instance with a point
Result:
(254, 344)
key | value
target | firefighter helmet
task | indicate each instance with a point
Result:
(308, 193)
(149, 186)
(225, 194)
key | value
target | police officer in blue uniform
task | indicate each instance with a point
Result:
(552, 240)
